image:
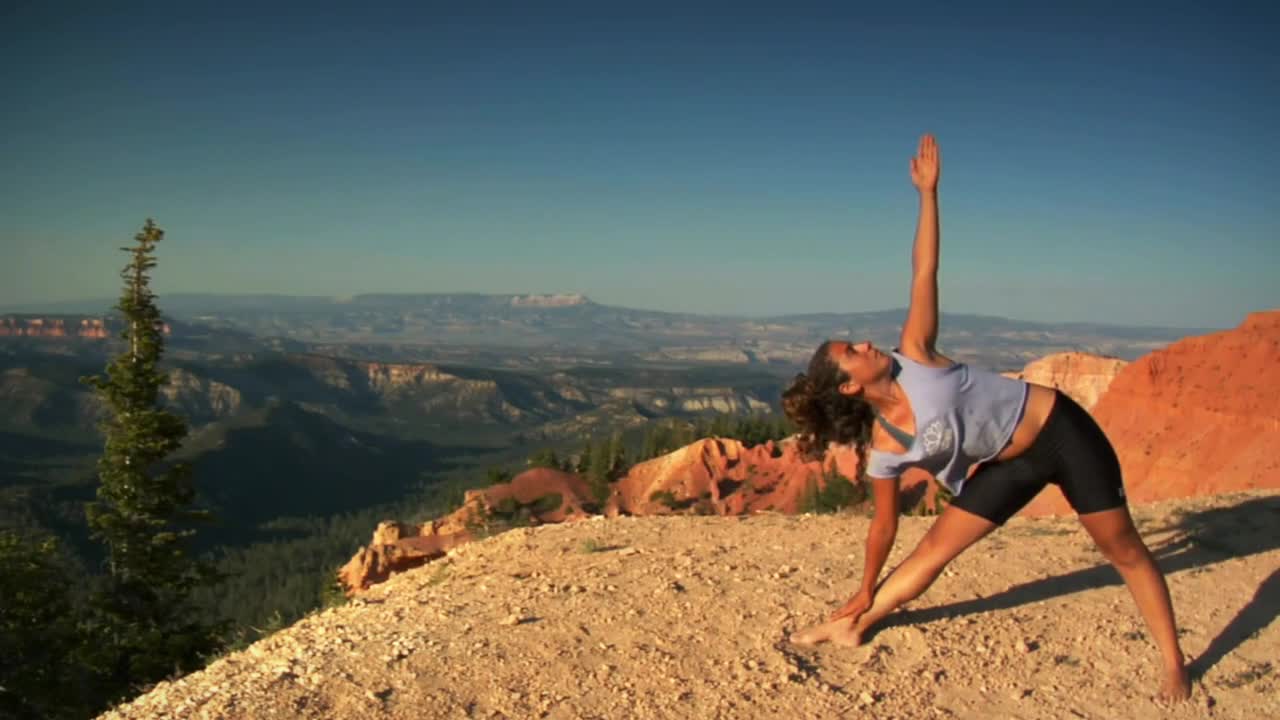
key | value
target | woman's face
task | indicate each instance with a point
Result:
(862, 362)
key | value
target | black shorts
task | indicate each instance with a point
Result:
(1071, 451)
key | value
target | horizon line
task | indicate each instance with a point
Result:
(36, 307)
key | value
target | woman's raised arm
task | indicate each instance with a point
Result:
(920, 332)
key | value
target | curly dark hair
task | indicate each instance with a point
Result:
(824, 415)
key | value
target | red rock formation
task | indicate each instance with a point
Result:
(42, 327)
(89, 328)
(1082, 376)
(1198, 417)
(711, 476)
(722, 477)
(397, 547)
(383, 376)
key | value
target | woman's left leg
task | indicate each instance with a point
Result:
(953, 531)
(1120, 543)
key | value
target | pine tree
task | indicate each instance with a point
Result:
(39, 670)
(649, 449)
(616, 457)
(143, 513)
(544, 458)
(598, 467)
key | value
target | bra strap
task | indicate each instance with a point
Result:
(898, 434)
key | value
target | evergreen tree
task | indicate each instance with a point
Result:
(545, 458)
(497, 476)
(599, 465)
(149, 627)
(39, 673)
(617, 457)
(584, 458)
(649, 448)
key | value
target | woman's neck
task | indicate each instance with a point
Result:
(883, 395)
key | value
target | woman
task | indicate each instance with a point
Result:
(992, 441)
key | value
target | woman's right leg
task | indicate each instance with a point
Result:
(1091, 478)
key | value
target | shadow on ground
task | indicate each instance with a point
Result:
(1202, 538)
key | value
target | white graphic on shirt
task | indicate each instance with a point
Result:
(937, 436)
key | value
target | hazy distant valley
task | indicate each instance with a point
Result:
(311, 417)
(388, 388)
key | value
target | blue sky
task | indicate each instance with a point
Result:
(1098, 164)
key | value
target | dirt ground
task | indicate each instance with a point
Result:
(687, 617)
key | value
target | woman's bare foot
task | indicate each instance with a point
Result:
(1175, 685)
(847, 636)
(840, 632)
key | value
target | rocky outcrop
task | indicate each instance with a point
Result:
(691, 399)
(393, 376)
(1082, 376)
(723, 477)
(396, 547)
(199, 399)
(1201, 416)
(536, 496)
(712, 476)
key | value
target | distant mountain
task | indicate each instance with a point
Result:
(543, 331)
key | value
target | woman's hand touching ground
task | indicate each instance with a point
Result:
(854, 608)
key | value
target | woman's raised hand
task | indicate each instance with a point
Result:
(925, 165)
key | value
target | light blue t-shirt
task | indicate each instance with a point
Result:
(963, 415)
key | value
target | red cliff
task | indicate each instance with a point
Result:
(1198, 417)
(90, 328)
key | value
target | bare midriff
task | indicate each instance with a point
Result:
(1039, 405)
(1040, 400)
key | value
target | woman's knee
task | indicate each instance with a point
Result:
(1123, 549)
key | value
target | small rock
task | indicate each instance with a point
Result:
(510, 620)
(866, 698)
(378, 695)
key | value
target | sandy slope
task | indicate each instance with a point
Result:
(686, 617)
